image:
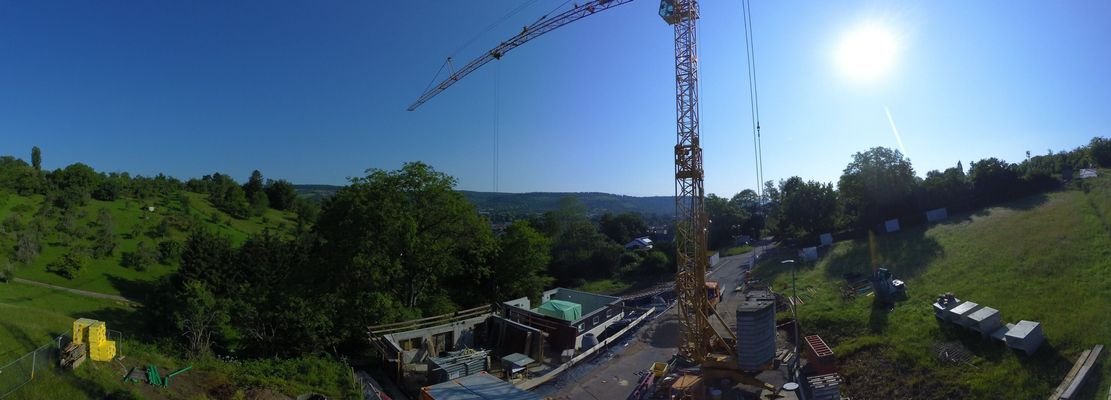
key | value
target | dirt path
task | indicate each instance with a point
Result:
(78, 292)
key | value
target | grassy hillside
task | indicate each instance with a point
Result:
(32, 316)
(133, 225)
(1045, 258)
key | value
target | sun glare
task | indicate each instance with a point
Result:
(867, 53)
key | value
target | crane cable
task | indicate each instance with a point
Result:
(497, 117)
(471, 41)
(754, 99)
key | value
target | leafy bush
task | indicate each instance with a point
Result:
(143, 257)
(169, 251)
(70, 265)
(7, 273)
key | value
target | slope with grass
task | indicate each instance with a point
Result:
(133, 224)
(32, 316)
(1045, 258)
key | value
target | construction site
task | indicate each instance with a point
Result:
(719, 344)
(744, 343)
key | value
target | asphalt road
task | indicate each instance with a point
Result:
(613, 374)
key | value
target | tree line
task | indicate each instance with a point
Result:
(389, 246)
(61, 216)
(881, 184)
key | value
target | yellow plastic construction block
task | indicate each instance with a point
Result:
(80, 327)
(105, 352)
(95, 334)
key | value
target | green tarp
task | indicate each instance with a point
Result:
(564, 310)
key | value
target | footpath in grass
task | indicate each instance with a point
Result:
(1044, 258)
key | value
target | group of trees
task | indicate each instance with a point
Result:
(250, 199)
(60, 219)
(881, 184)
(390, 246)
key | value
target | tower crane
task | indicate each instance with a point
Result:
(698, 337)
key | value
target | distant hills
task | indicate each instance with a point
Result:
(540, 202)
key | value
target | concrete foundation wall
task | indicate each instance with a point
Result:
(462, 335)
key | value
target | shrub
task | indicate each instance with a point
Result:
(70, 265)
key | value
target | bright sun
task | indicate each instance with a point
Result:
(867, 53)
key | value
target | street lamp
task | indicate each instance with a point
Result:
(795, 314)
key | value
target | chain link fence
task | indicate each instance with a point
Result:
(16, 373)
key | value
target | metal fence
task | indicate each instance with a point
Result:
(21, 371)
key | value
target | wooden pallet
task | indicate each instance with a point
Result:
(1074, 380)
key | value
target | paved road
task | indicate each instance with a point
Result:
(78, 292)
(613, 374)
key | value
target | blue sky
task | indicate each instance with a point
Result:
(315, 92)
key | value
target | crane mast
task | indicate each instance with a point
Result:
(690, 224)
(697, 335)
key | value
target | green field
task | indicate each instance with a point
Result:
(1045, 258)
(132, 225)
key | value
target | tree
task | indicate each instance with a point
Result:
(1100, 149)
(259, 203)
(520, 267)
(199, 316)
(876, 185)
(254, 185)
(726, 219)
(579, 252)
(281, 194)
(169, 252)
(27, 246)
(234, 202)
(749, 201)
(949, 189)
(77, 177)
(36, 158)
(108, 189)
(993, 180)
(655, 262)
(807, 209)
(142, 258)
(396, 242)
(16, 175)
(622, 228)
(70, 265)
(208, 257)
(307, 213)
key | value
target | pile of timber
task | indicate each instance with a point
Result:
(73, 355)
